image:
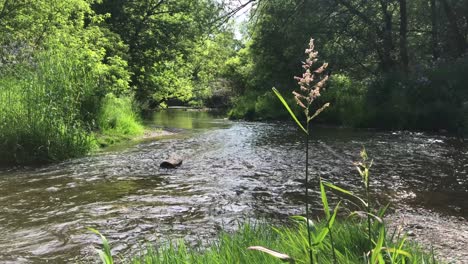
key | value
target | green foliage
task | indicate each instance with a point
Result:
(238, 71)
(56, 68)
(243, 107)
(252, 106)
(117, 116)
(169, 76)
(105, 254)
(396, 64)
(350, 239)
(291, 113)
(41, 117)
(432, 99)
(209, 60)
(347, 98)
(168, 52)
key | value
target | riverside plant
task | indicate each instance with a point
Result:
(311, 85)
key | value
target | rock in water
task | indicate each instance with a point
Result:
(171, 163)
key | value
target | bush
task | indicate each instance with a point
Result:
(434, 98)
(252, 106)
(346, 97)
(243, 107)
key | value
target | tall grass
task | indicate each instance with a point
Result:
(350, 240)
(42, 113)
(117, 116)
(51, 107)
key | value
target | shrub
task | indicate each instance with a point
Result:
(243, 107)
(432, 98)
(346, 97)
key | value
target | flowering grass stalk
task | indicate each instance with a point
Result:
(311, 83)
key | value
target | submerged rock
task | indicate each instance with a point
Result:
(171, 163)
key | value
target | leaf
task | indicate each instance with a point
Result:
(332, 186)
(363, 214)
(281, 256)
(324, 200)
(321, 236)
(280, 97)
(376, 252)
(333, 217)
(105, 255)
(399, 252)
(301, 218)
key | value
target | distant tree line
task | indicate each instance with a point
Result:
(394, 63)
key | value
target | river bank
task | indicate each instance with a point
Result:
(445, 235)
(105, 141)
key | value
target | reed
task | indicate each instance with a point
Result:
(52, 108)
(42, 115)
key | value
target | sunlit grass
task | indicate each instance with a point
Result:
(41, 118)
(50, 111)
(350, 241)
(117, 116)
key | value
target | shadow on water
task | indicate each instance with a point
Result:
(232, 171)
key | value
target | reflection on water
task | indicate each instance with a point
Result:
(188, 119)
(231, 171)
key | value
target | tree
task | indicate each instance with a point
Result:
(161, 35)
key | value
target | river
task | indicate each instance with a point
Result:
(232, 172)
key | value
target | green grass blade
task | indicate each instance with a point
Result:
(398, 252)
(280, 97)
(321, 236)
(301, 218)
(334, 187)
(105, 255)
(363, 214)
(324, 200)
(376, 253)
(333, 217)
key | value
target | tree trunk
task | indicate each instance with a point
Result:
(403, 36)
(388, 62)
(435, 30)
(459, 39)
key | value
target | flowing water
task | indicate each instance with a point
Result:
(232, 172)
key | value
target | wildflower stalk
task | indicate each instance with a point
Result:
(311, 256)
(311, 83)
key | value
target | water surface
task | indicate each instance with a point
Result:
(232, 171)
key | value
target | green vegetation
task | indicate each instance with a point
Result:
(41, 111)
(350, 239)
(74, 70)
(396, 64)
(117, 120)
